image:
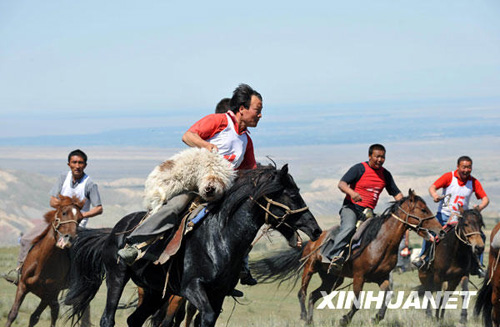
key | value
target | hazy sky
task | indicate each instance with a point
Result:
(106, 64)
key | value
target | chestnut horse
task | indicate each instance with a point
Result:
(454, 258)
(488, 298)
(46, 267)
(372, 261)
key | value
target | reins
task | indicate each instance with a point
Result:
(57, 223)
(416, 227)
(281, 220)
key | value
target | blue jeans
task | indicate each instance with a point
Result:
(442, 218)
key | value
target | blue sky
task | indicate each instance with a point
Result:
(69, 67)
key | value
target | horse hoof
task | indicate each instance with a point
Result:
(344, 321)
(376, 320)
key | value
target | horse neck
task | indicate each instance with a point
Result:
(47, 244)
(242, 227)
(394, 231)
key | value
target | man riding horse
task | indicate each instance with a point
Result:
(226, 134)
(72, 183)
(458, 187)
(362, 185)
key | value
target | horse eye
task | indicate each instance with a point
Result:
(64, 213)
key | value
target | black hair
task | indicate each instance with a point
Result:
(374, 147)
(223, 106)
(242, 96)
(463, 158)
(78, 153)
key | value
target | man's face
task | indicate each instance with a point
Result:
(77, 166)
(376, 159)
(464, 169)
(253, 114)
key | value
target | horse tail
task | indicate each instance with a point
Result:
(87, 270)
(280, 266)
(483, 303)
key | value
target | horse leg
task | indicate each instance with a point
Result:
(465, 288)
(115, 283)
(172, 312)
(329, 282)
(357, 286)
(386, 287)
(151, 302)
(35, 316)
(197, 295)
(306, 278)
(54, 311)
(190, 312)
(20, 294)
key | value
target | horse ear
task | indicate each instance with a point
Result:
(411, 194)
(460, 209)
(284, 170)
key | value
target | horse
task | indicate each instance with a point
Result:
(372, 261)
(488, 298)
(454, 257)
(46, 267)
(207, 266)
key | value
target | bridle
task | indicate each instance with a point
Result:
(57, 223)
(281, 220)
(465, 238)
(418, 227)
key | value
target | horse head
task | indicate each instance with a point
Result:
(65, 219)
(289, 212)
(417, 215)
(470, 223)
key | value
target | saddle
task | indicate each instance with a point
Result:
(184, 227)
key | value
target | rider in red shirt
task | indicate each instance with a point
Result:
(362, 185)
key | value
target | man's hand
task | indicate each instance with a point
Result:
(356, 197)
(212, 148)
(437, 198)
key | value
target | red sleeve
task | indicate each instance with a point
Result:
(249, 159)
(209, 125)
(478, 189)
(444, 181)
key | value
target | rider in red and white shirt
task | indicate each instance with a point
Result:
(458, 187)
(228, 134)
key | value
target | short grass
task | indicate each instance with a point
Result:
(263, 305)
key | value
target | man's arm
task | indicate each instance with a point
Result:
(194, 140)
(54, 202)
(93, 212)
(484, 203)
(398, 196)
(344, 187)
(433, 192)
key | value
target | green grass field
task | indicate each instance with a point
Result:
(263, 305)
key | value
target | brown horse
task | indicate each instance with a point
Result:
(372, 261)
(488, 299)
(45, 269)
(455, 256)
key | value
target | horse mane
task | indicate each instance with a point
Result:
(472, 212)
(51, 215)
(375, 224)
(253, 183)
